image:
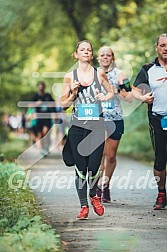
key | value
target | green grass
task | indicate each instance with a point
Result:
(11, 148)
(22, 227)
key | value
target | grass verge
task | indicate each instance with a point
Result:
(22, 227)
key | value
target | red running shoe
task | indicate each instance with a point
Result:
(83, 214)
(160, 201)
(97, 206)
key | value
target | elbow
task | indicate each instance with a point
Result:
(64, 106)
(130, 97)
(130, 100)
(136, 96)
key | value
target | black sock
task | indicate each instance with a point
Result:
(92, 187)
(162, 191)
(105, 187)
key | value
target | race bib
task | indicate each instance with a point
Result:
(88, 112)
(164, 122)
(108, 105)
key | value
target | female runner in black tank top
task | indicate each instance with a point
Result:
(85, 142)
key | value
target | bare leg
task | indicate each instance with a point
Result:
(161, 178)
(38, 140)
(46, 141)
(111, 152)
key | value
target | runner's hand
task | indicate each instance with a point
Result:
(74, 87)
(148, 98)
(100, 96)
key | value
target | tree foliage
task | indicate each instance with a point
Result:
(40, 36)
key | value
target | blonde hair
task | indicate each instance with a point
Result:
(112, 53)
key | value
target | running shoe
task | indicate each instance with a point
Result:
(160, 201)
(83, 214)
(106, 196)
(97, 206)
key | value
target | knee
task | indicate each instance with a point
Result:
(159, 165)
(111, 158)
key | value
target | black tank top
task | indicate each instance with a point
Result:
(86, 95)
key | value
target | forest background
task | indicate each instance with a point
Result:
(38, 37)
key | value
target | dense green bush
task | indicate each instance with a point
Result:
(22, 228)
(8, 146)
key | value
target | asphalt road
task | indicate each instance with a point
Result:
(129, 222)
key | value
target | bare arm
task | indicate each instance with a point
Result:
(139, 95)
(124, 95)
(70, 90)
(107, 86)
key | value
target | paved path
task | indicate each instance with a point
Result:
(129, 223)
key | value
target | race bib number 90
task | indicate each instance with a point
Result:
(88, 112)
